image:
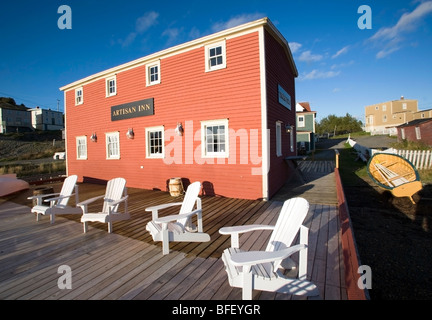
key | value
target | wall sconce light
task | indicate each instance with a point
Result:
(288, 128)
(179, 129)
(130, 134)
(93, 137)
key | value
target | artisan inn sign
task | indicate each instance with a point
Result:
(132, 110)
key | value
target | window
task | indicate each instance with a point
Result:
(112, 145)
(111, 87)
(81, 145)
(215, 56)
(384, 118)
(404, 106)
(384, 107)
(278, 138)
(403, 133)
(417, 131)
(155, 142)
(78, 96)
(301, 121)
(214, 139)
(153, 74)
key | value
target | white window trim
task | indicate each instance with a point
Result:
(418, 133)
(76, 96)
(204, 153)
(117, 135)
(82, 138)
(148, 75)
(301, 124)
(278, 138)
(107, 80)
(207, 56)
(148, 131)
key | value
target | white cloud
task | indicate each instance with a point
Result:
(236, 21)
(307, 56)
(142, 24)
(340, 52)
(391, 37)
(172, 34)
(294, 46)
(317, 74)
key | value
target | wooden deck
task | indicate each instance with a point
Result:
(128, 265)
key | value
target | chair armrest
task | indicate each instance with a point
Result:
(42, 196)
(258, 257)
(154, 209)
(236, 230)
(58, 198)
(86, 202)
(176, 217)
(114, 203)
(163, 206)
(243, 229)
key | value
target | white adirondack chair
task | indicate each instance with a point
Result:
(178, 227)
(58, 202)
(115, 194)
(264, 270)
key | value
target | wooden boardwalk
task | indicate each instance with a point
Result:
(128, 265)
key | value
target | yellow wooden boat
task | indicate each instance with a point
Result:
(395, 174)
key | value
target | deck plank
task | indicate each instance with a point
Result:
(129, 265)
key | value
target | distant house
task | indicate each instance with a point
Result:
(46, 119)
(383, 118)
(14, 118)
(417, 130)
(305, 127)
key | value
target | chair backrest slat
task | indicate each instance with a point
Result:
(288, 224)
(114, 191)
(67, 189)
(189, 200)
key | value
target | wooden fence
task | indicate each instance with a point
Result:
(421, 159)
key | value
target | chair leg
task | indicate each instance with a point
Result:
(37, 216)
(247, 283)
(165, 241)
(110, 228)
(52, 218)
(85, 226)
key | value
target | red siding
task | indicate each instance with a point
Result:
(425, 133)
(280, 73)
(186, 94)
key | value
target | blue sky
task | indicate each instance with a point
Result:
(342, 68)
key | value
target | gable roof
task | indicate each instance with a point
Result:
(414, 123)
(225, 34)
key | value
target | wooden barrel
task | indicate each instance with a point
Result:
(175, 187)
(42, 190)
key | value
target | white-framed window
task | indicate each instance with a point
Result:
(153, 74)
(214, 139)
(215, 56)
(301, 121)
(384, 118)
(384, 107)
(81, 147)
(418, 134)
(78, 96)
(111, 86)
(404, 106)
(112, 145)
(278, 138)
(155, 139)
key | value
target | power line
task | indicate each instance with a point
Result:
(7, 95)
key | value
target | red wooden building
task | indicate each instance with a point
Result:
(219, 109)
(419, 130)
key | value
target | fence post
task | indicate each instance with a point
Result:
(337, 158)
